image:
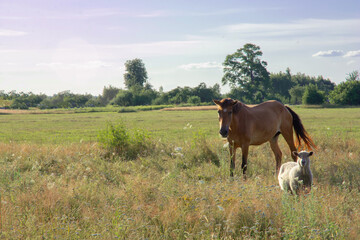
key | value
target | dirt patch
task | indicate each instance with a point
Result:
(196, 108)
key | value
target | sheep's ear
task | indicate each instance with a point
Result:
(310, 153)
(217, 102)
(295, 153)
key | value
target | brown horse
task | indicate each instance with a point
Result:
(244, 125)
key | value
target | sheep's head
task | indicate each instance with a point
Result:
(303, 158)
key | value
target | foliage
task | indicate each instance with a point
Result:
(26, 100)
(346, 93)
(245, 70)
(108, 94)
(353, 76)
(181, 95)
(66, 99)
(135, 73)
(280, 84)
(312, 95)
(119, 140)
(194, 100)
(123, 98)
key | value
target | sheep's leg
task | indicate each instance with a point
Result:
(277, 152)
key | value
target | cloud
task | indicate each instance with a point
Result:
(352, 54)
(302, 28)
(329, 53)
(11, 33)
(81, 66)
(337, 53)
(204, 65)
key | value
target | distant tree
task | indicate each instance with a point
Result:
(245, 69)
(194, 100)
(312, 95)
(346, 93)
(123, 98)
(280, 84)
(108, 94)
(296, 94)
(353, 76)
(135, 74)
(324, 84)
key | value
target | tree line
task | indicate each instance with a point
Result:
(244, 71)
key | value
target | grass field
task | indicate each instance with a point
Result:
(56, 181)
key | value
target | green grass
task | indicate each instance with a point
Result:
(56, 180)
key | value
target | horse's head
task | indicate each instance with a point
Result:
(225, 110)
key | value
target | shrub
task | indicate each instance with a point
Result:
(118, 140)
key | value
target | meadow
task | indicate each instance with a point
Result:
(58, 182)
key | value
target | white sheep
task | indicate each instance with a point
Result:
(294, 174)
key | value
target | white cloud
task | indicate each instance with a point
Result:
(80, 66)
(352, 54)
(300, 28)
(204, 65)
(329, 53)
(11, 33)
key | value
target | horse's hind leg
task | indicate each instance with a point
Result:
(277, 152)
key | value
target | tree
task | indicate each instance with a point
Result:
(245, 70)
(296, 94)
(312, 95)
(136, 74)
(123, 98)
(280, 84)
(353, 76)
(346, 93)
(108, 94)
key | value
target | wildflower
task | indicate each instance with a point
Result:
(178, 149)
(220, 208)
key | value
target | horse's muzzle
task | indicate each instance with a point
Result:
(224, 132)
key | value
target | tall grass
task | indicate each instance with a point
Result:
(119, 140)
(177, 188)
(72, 191)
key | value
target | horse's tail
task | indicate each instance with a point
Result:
(300, 131)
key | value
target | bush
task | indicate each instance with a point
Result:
(312, 95)
(118, 140)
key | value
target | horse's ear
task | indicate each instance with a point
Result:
(295, 153)
(236, 107)
(217, 102)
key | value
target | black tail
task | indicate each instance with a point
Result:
(300, 131)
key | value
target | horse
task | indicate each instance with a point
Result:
(245, 125)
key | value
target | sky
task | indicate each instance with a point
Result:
(49, 46)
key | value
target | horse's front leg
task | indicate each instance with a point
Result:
(245, 152)
(232, 149)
